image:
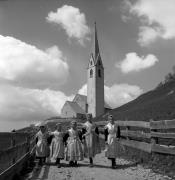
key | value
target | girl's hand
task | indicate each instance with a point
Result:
(83, 136)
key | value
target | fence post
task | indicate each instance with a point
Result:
(13, 143)
(28, 143)
(127, 131)
(154, 140)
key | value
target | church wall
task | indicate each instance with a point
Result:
(91, 100)
(99, 92)
(67, 111)
(80, 102)
(95, 91)
(107, 110)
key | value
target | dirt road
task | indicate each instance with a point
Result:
(101, 171)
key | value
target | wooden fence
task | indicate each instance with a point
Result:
(15, 149)
(151, 137)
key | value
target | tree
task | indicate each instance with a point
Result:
(159, 85)
(169, 77)
(173, 71)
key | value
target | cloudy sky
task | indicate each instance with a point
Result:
(45, 47)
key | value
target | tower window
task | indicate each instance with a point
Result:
(99, 73)
(86, 108)
(91, 73)
(91, 62)
(99, 63)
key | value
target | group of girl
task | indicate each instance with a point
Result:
(73, 145)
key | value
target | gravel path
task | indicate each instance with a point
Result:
(101, 171)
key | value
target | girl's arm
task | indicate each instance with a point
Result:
(65, 137)
(118, 132)
(36, 138)
(80, 134)
(83, 132)
(49, 139)
(106, 134)
(96, 130)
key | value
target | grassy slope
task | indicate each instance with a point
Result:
(158, 104)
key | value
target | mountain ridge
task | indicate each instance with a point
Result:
(157, 104)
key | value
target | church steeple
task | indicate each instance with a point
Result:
(95, 80)
(95, 53)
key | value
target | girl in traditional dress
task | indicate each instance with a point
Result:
(112, 133)
(74, 146)
(91, 139)
(42, 147)
(57, 146)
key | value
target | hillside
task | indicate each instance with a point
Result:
(157, 104)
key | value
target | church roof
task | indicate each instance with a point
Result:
(82, 97)
(75, 107)
(107, 106)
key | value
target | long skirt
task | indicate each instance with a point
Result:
(42, 149)
(57, 149)
(112, 147)
(74, 150)
(91, 145)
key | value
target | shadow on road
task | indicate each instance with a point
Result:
(46, 172)
(124, 166)
(40, 172)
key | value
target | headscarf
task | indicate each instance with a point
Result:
(89, 116)
(110, 116)
(73, 122)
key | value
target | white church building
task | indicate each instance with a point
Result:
(93, 103)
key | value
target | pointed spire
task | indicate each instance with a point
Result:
(96, 51)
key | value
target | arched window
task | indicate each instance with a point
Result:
(99, 73)
(99, 63)
(86, 108)
(91, 63)
(91, 73)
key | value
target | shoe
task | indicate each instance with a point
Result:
(114, 167)
(59, 166)
(91, 165)
(75, 163)
(71, 163)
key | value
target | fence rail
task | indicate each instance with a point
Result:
(15, 153)
(134, 133)
(145, 136)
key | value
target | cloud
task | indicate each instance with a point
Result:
(83, 90)
(21, 106)
(117, 94)
(72, 21)
(147, 35)
(156, 17)
(133, 62)
(28, 76)
(23, 63)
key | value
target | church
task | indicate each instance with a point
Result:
(94, 102)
